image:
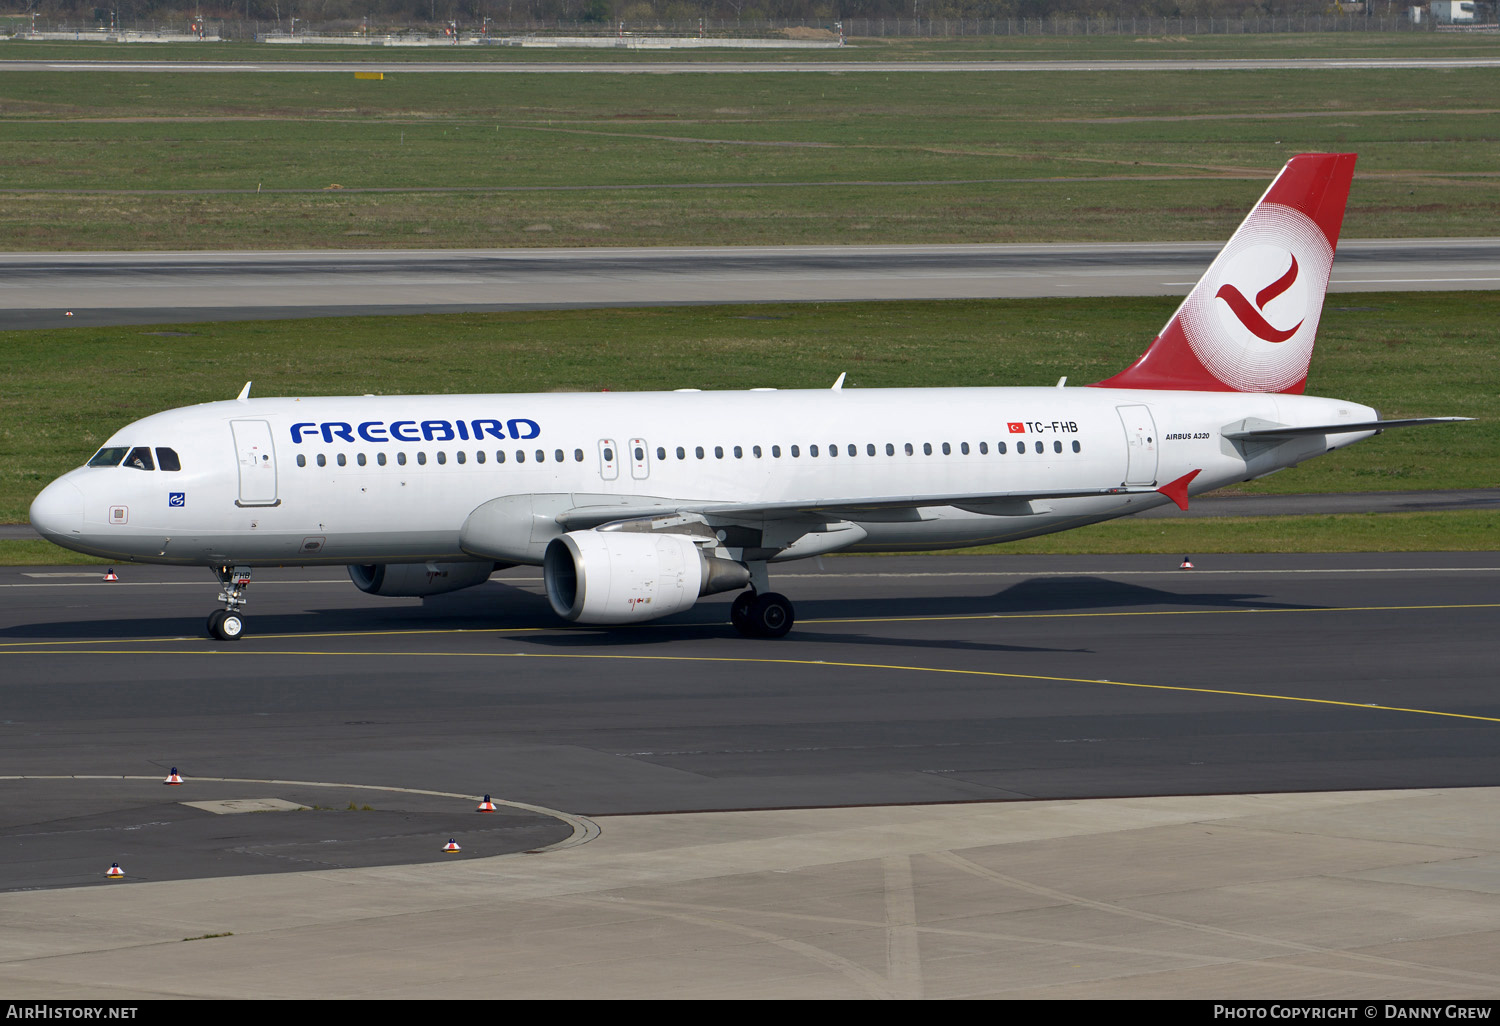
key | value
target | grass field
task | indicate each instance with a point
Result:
(143, 160)
(62, 393)
(152, 160)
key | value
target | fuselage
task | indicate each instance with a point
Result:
(391, 479)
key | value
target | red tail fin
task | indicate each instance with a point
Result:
(1250, 322)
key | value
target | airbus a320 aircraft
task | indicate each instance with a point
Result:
(637, 504)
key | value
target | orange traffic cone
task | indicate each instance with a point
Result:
(486, 805)
(115, 872)
(111, 575)
(1187, 564)
(451, 846)
(174, 777)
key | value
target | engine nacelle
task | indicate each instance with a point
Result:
(413, 580)
(626, 576)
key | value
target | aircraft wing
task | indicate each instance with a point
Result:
(1018, 503)
(518, 528)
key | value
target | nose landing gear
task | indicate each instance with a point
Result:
(228, 624)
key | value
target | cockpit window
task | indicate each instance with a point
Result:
(109, 456)
(167, 459)
(140, 458)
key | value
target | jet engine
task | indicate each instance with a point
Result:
(626, 577)
(405, 580)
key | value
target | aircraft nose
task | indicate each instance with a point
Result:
(57, 513)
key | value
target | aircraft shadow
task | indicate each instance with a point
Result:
(504, 606)
(1038, 596)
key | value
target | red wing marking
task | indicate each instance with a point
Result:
(1177, 490)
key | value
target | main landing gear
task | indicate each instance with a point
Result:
(228, 624)
(761, 616)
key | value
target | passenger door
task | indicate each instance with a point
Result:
(257, 463)
(1140, 444)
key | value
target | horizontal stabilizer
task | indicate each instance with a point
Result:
(1270, 434)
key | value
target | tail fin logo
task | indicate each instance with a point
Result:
(1281, 258)
(1252, 317)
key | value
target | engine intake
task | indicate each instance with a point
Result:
(626, 577)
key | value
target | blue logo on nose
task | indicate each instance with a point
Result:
(177, 498)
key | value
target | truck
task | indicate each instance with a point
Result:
(1452, 12)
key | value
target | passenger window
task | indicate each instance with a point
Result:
(301, 460)
(947, 449)
(776, 452)
(322, 460)
(140, 459)
(461, 456)
(698, 451)
(661, 453)
(890, 450)
(499, 455)
(964, 448)
(1000, 448)
(577, 455)
(401, 459)
(442, 458)
(718, 452)
(380, 458)
(869, 449)
(343, 460)
(560, 456)
(756, 450)
(909, 450)
(421, 459)
(479, 456)
(795, 453)
(681, 453)
(1057, 447)
(812, 450)
(1077, 447)
(360, 459)
(1038, 446)
(110, 457)
(541, 455)
(984, 448)
(166, 459)
(739, 453)
(521, 455)
(926, 448)
(609, 455)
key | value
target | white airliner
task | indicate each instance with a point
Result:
(638, 504)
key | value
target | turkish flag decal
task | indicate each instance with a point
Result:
(1017, 428)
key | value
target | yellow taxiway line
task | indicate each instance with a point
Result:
(825, 663)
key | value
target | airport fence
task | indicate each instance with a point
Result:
(879, 28)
